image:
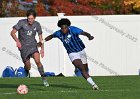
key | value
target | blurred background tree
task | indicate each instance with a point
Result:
(134, 5)
(40, 9)
(17, 8)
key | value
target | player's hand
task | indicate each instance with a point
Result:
(18, 44)
(42, 53)
(91, 38)
(39, 44)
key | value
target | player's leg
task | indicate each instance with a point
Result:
(78, 64)
(90, 80)
(80, 61)
(26, 60)
(83, 57)
(76, 60)
(27, 67)
(36, 57)
(86, 67)
(78, 71)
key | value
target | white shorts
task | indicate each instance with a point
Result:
(78, 55)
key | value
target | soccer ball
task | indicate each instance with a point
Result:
(22, 89)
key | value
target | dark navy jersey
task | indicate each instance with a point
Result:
(71, 40)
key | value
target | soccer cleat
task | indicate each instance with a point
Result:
(95, 87)
(45, 82)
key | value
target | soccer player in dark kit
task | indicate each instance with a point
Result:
(69, 35)
(27, 44)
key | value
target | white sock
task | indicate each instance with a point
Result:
(90, 81)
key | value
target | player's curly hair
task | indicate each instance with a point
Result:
(63, 21)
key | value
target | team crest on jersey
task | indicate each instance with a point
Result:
(69, 36)
(67, 40)
(29, 33)
(35, 28)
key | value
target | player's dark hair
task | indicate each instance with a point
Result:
(31, 12)
(63, 21)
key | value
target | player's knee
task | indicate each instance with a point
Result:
(27, 67)
(79, 65)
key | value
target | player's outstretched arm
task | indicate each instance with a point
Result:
(46, 39)
(90, 37)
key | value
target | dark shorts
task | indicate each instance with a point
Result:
(27, 52)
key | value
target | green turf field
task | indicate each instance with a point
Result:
(123, 87)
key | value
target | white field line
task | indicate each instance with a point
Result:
(62, 91)
(117, 90)
(69, 91)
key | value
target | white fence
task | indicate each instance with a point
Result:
(114, 51)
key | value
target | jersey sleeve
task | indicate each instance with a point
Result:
(39, 29)
(56, 34)
(18, 25)
(76, 30)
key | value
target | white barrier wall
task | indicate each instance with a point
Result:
(114, 51)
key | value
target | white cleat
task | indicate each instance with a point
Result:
(45, 82)
(95, 87)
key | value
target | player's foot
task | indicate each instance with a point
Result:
(95, 87)
(45, 82)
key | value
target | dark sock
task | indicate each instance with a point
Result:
(27, 73)
(41, 71)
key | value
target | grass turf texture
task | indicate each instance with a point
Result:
(111, 87)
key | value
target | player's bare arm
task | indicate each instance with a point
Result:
(90, 37)
(46, 39)
(13, 34)
(42, 45)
